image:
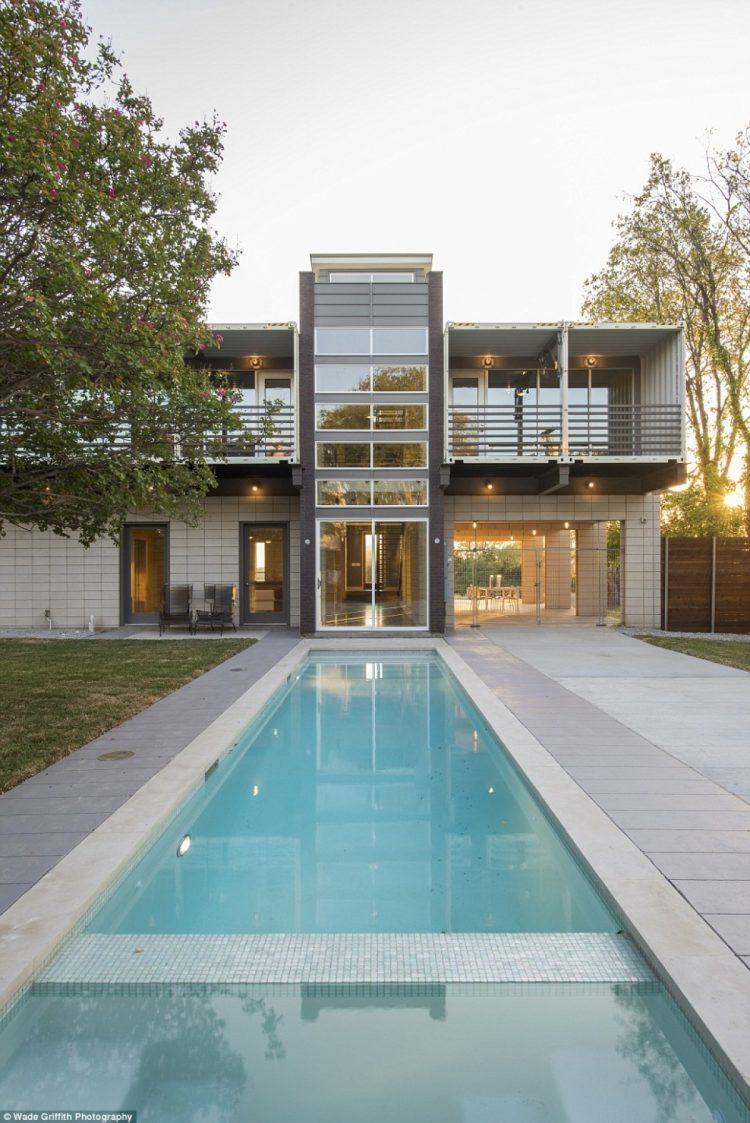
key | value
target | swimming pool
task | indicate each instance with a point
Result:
(369, 809)
(372, 798)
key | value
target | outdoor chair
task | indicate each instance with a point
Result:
(175, 606)
(218, 611)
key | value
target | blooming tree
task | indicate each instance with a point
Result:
(106, 258)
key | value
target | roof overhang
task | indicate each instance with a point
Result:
(416, 262)
(274, 340)
(530, 340)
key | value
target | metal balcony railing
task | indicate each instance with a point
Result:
(251, 441)
(523, 431)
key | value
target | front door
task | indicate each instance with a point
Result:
(265, 567)
(145, 572)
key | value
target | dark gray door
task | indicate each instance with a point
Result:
(265, 573)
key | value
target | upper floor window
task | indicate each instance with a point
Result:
(372, 278)
(349, 415)
(353, 378)
(371, 341)
(379, 454)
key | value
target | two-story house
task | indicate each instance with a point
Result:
(417, 474)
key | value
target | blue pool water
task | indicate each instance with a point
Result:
(372, 798)
(511, 1054)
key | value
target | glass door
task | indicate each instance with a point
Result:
(372, 574)
(265, 563)
(145, 572)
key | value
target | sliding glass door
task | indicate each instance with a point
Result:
(265, 560)
(372, 573)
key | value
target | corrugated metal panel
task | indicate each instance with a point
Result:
(522, 340)
(278, 342)
(619, 339)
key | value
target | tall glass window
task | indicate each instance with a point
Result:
(373, 574)
(342, 341)
(343, 378)
(398, 454)
(399, 341)
(344, 454)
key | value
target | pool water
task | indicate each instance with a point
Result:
(511, 1054)
(372, 798)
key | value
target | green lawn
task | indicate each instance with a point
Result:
(55, 695)
(715, 650)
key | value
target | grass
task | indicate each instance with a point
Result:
(729, 653)
(55, 695)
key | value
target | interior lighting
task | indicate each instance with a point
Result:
(567, 526)
(590, 483)
(184, 846)
(489, 485)
(490, 790)
(255, 488)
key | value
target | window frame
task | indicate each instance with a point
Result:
(372, 367)
(372, 352)
(371, 406)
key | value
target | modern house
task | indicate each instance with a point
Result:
(417, 473)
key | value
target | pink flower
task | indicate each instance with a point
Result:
(53, 193)
(221, 392)
(41, 85)
(58, 104)
(112, 193)
(146, 160)
(201, 347)
(219, 338)
(60, 166)
(88, 273)
(73, 58)
(63, 23)
(11, 137)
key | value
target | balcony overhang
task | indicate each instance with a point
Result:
(272, 344)
(553, 478)
(253, 479)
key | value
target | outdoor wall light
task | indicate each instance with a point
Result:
(255, 361)
(255, 488)
(489, 485)
(184, 846)
(590, 483)
(533, 532)
(567, 526)
(488, 361)
(590, 361)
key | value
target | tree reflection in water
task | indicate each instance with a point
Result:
(643, 1045)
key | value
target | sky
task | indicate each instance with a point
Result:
(503, 136)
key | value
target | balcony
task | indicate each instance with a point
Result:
(250, 441)
(517, 432)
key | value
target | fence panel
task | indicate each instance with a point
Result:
(705, 584)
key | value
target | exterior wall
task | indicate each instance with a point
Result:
(591, 569)
(40, 571)
(639, 517)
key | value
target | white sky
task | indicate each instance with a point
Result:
(501, 135)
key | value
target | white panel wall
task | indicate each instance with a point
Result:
(40, 571)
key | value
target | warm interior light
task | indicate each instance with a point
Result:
(489, 486)
(590, 483)
(254, 487)
(567, 526)
(533, 532)
(184, 846)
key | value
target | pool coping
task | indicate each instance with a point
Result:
(705, 977)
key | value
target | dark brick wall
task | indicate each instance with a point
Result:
(436, 445)
(307, 452)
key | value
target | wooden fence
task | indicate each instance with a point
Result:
(705, 584)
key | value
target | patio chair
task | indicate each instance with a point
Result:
(219, 601)
(175, 606)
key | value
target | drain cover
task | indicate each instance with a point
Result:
(119, 754)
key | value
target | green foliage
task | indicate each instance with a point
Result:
(106, 258)
(693, 514)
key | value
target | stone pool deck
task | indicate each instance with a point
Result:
(655, 738)
(45, 817)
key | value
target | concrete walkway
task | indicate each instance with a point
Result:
(43, 818)
(655, 738)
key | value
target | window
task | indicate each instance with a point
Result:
(344, 493)
(343, 416)
(399, 341)
(367, 278)
(396, 416)
(342, 341)
(397, 493)
(356, 378)
(400, 379)
(397, 455)
(371, 341)
(342, 378)
(344, 454)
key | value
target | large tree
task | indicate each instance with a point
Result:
(106, 258)
(673, 261)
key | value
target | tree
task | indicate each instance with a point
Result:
(673, 261)
(106, 258)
